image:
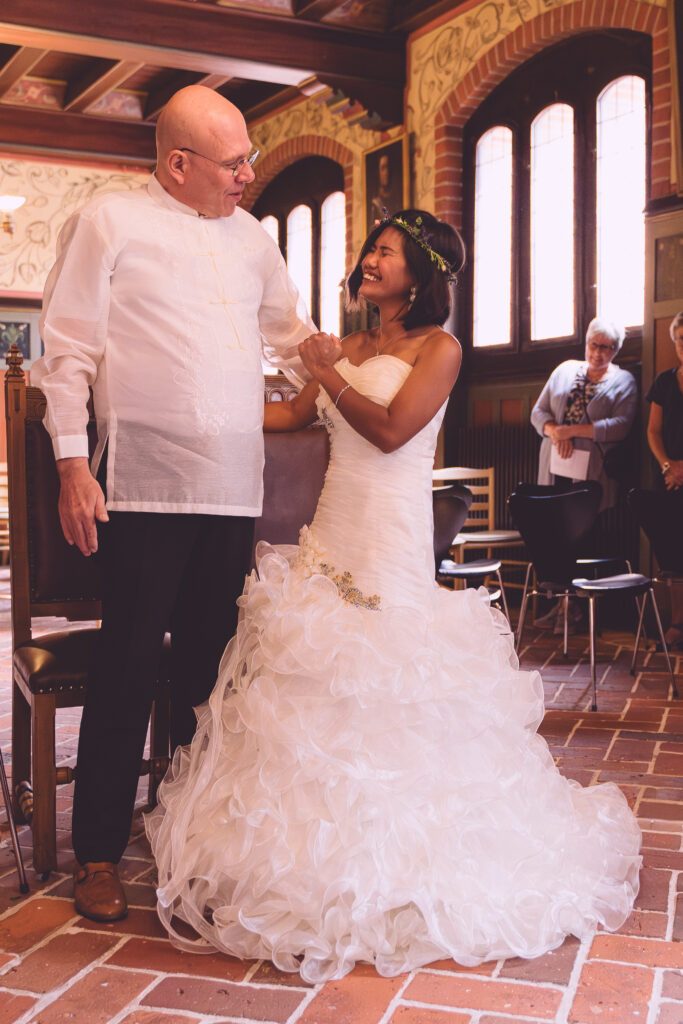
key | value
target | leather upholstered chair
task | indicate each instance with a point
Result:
(50, 580)
(293, 476)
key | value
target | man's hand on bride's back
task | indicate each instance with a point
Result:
(320, 351)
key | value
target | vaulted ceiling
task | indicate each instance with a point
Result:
(88, 77)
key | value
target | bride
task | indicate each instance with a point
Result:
(366, 782)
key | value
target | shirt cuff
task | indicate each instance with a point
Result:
(71, 446)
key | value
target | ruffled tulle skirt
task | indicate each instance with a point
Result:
(369, 786)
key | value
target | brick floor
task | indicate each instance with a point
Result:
(56, 968)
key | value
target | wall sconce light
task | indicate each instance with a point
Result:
(8, 204)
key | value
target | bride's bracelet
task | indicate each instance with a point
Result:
(345, 388)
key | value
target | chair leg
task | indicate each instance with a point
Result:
(502, 595)
(7, 798)
(674, 688)
(641, 617)
(522, 610)
(629, 569)
(44, 823)
(21, 747)
(591, 630)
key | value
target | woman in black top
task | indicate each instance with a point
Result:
(662, 513)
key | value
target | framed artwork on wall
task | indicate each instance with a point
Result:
(385, 180)
(20, 326)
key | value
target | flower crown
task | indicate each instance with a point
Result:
(418, 234)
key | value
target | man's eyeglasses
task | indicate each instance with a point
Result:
(234, 168)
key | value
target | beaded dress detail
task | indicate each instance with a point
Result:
(367, 783)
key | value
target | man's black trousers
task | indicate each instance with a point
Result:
(161, 572)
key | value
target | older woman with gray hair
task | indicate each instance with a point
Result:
(587, 406)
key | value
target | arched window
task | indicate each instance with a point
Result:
(332, 261)
(272, 226)
(304, 210)
(621, 195)
(555, 190)
(493, 237)
(552, 222)
(300, 250)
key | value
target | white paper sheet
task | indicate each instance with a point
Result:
(575, 467)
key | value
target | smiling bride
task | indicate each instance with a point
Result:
(366, 782)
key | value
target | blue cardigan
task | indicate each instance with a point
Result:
(611, 411)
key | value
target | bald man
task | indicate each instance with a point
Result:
(162, 300)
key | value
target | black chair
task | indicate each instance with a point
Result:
(632, 583)
(474, 574)
(593, 567)
(596, 565)
(552, 525)
(451, 505)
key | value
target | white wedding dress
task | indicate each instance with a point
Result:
(366, 782)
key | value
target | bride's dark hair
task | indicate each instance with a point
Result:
(434, 252)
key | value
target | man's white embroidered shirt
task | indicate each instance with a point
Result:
(166, 315)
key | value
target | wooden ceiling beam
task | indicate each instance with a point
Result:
(19, 64)
(158, 98)
(204, 37)
(54, 133)
(315, 9)
(408, 15)
(97, 82)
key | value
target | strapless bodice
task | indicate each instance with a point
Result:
(374, 519)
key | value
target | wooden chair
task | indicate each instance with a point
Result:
(50, 579)
(4, 515)
(479, 531)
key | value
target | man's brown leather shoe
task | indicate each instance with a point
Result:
(98, 893)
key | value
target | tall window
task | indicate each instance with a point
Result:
(304, 210)
(493, 238)
(332, 261)
(621, 151)
(300, 250)
(557, 159)
(272, 226)
(552, 222)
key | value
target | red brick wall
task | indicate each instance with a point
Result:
(523, 43)
(296, 149)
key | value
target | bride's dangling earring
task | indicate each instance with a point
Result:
(411, 295)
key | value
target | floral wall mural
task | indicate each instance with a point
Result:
(53, 192)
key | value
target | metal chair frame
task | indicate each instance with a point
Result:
(640, 585)
(479, 569)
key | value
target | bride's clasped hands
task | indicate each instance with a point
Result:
(319, 352)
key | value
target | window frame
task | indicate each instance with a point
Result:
(513, 264)
(307, 182)
(575, 72)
